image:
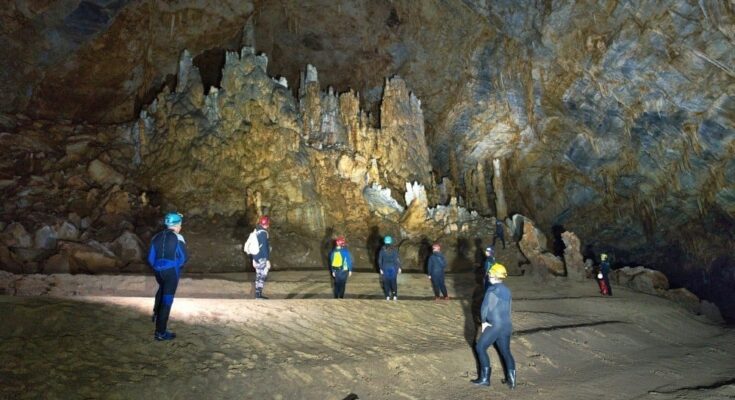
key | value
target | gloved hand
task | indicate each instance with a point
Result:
(349, 274)
(333, 275)
(599, 275)
(485, 325)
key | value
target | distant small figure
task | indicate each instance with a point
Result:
(496, 328)
(499, 232)
(260, 253)
(390, 266)
(340, 262)
(167, 255)
(435, 268)
(603, 276)
(489, 262)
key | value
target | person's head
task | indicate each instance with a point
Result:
(436, 247)
(340, 241)
(497, 273)
(173, 221)
(489, 251)
(264, 221)
(388, 240)
(603, 257)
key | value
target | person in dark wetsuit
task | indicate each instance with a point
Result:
(390, 266)
(167, 255)
(340, 264)
(496, 328)
(435, 269)
(499, 232)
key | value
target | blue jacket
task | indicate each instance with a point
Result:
(499, 229)
(346, 259)
(437, 263)
(265, 247)
(388, 260)
(605, 267)
(496, 307)
(168, 250)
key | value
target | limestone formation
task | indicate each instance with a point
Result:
(573, 261)
(534, 248)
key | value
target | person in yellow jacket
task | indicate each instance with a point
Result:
(340, 263)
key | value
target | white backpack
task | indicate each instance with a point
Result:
(251, 245)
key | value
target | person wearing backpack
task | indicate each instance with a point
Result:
(340, 262)
(435, 269)
(390, 266)
(166, 256)
(258, 247)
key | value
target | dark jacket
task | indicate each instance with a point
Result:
(168, 250)
(388, 260)
(265, 247)
(496, 307)
(605, 267)
(437, 264)
(346, 259)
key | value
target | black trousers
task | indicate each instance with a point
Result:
(501, 338)
(437, 283)
(390, 284)
(168, 281)
(340, 282)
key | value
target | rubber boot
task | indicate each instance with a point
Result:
(484, 378)
(511, 381)
(258, 293)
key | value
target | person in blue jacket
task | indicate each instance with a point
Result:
(261, 260)
(499, 232)
(496, 328)
(435, 269)
(166, 257)
(390, 266)
(489, 262)
(340, 263)
(604, 275)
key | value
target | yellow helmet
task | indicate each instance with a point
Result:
(498, 271)
(603, 257)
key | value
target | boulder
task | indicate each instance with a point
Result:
(128, 247)
(67, 231)
(91, 257)
(7, 283)
(533, 247)
(104, 174)
(642, 279)
(57, 264)
(45, 238)
(9, 261)
(15, 235)
(117, 202)
(573, 257)
(711, 311)
(685, 298)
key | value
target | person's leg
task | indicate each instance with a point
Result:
(503, 343)
(487, 338)
(340, 279)
(260, 275)
(170, 281)
(442, 287)
(435, 285)
(607, 283)
(386, 286)
(394, 286)
(157, 301)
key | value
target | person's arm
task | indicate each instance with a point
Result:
(381, 254)
(431, 266)
(265, 248)
(489, 303)
(152, 255)
(348, 260)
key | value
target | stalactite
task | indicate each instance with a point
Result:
(501, 208)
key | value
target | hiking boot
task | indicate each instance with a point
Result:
(445, 298)
(511, 380)
(436, 298)
(259, 295)
(395, 298)
(387, 298)
(164, 336)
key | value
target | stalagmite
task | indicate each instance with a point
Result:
(501, 209)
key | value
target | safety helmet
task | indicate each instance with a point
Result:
(498, 271)
(436, 247)
(388, 240)
(264, 221)
(490, 250)
(603, 257)
(173, 219)
(340, 241)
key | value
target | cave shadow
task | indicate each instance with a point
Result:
(325, 247)
(373, 244)
(471, 293)
(558, 244)
(424, 253)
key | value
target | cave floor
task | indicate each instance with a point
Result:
(569, 343)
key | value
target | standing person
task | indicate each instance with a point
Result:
(340, 262)
(489, 262)
(166, 256)
(499, 232)
(603, 276)
(496, 327)
(261, 259)
(390, 266)
(436, 265)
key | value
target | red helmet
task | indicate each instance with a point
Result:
(436, 247)
(340, 241)
(264, 221)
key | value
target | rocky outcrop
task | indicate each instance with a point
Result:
(573, 260)
(641, 279)
(534, 248)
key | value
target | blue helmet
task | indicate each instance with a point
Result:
(173, 219)
(388, 240)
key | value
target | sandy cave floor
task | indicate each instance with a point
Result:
(569, 342)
